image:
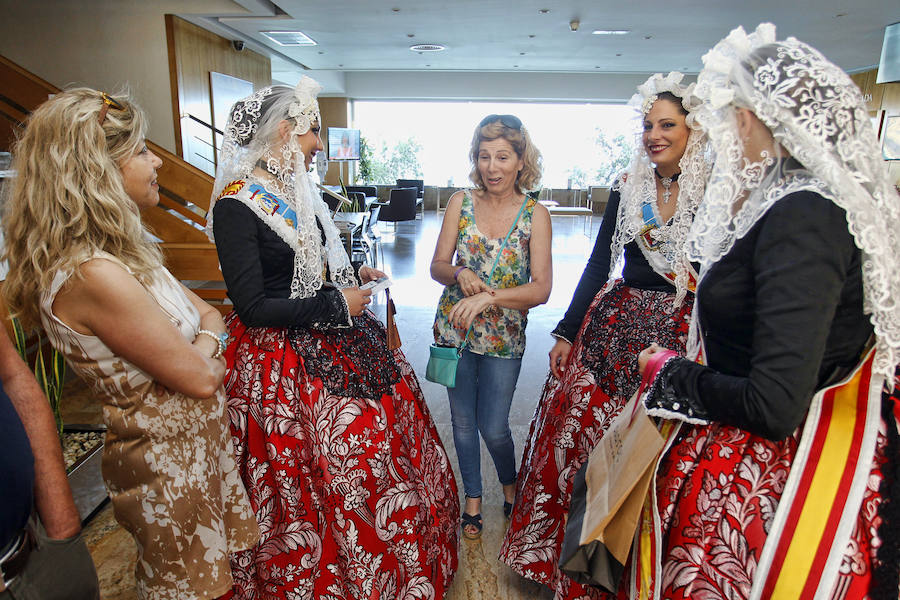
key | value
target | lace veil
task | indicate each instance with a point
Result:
(816, 113)
(639, 186)
(253, 151)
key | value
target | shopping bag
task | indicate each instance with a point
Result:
(607, 498)
(441, 368)
(393, 334)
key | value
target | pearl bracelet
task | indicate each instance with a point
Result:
(221, 340)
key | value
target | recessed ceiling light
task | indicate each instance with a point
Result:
(531, 35)
(395, 9)
(841, 14)
(648, 37)
(611, 31)
(543, 11)
(618, 54)
(521, 54)
(427, 48)
(320, 52)
(410, 35)
(289, 38)
(515, 66)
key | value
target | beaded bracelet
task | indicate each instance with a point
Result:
(221, 341)
(458, 271)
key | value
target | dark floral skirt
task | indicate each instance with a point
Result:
(352, 488)
(573, 414)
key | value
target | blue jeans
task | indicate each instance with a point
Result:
(480, 403)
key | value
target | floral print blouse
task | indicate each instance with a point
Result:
(497, 331)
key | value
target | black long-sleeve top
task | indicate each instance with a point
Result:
(782, 315)
(258, 267)
(637, 273)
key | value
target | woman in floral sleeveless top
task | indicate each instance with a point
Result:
(505, 165)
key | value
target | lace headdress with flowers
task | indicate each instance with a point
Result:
(255, 151)
(639, 184)
(818, 115)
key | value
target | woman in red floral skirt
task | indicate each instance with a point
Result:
(350, 483)
(594, 362)
(780, 479)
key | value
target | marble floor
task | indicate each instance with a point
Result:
(407, 252)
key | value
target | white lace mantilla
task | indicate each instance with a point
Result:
(638, 186)
(255, 150)
(818, 115)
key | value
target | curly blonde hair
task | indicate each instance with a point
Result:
(529, 177)
(68, 199)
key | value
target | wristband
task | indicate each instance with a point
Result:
(221, 340)
(458, 271)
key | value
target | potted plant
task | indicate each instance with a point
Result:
(82, 444)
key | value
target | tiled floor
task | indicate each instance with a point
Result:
(407, 254)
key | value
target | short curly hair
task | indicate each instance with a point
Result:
(529, 178)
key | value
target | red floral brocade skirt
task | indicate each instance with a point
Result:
(344, 468)
(571, 417)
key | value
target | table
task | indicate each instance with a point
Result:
(350, 225)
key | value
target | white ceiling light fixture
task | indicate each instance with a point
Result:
(289, 38)
(611, 31)
(428, 48)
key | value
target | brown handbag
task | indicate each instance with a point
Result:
(393, 335)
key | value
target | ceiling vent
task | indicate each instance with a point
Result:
(289, 38)
(427, 48)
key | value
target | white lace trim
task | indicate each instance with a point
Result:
(818, 115)
(638, 186)
(252, 142)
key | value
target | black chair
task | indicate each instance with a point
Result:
(401, 207)
(331, 201)
(368, 190)
(364, 249)
(419, 184)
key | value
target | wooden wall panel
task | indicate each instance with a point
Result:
(193, 54)
(336, 113)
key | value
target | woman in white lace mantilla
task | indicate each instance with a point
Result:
(780, 478)
(609, 320)
(351, 485)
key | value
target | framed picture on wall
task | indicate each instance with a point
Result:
(890, 138)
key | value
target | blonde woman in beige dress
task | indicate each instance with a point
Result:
(82, 267)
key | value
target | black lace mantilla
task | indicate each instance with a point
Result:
(352, 361)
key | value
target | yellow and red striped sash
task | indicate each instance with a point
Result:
(814, 520)
(824, 491)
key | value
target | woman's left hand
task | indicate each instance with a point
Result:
(646, 354)
(367, 274)
(464, 312)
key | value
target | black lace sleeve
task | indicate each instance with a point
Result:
(799, 262)
(595, 274)
(258, 266)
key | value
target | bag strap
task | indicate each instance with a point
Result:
(496, 260)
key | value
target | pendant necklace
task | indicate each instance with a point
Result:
(667, 184)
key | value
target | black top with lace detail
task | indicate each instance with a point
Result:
(637, 273)
(258, 268)
(782, 315)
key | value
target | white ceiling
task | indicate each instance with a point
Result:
(513, 36)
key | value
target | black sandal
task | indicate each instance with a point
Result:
(474, 521)
(507, 509)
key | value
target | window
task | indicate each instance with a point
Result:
(581, 144)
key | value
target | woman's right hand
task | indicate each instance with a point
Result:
(357, 300)
(559, 357)
(471, 284)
